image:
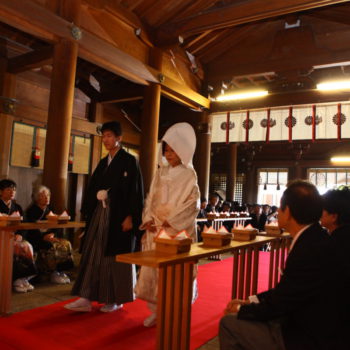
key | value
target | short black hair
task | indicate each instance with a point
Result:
(338, 202)
(303, 200)
(274, 208)
(113, 126)
(203, 199)
(7, 183)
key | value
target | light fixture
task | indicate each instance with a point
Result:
(242, 95)
(334, 85)
(267, 180)
(340, 159)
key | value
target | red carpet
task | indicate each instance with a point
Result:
(55, 328)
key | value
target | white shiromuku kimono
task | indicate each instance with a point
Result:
(173, 197)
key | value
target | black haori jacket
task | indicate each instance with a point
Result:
(124, 180)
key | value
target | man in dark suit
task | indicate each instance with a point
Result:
(298, 313)
(258, 218)
(213, 202)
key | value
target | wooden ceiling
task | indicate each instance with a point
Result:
(286, 47)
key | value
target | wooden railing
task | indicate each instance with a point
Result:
(176, 279)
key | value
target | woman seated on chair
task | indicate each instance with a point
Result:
(53, 254)
(23, 261)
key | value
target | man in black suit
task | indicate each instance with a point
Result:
(299, 312)
(258, 218)
(213, 202)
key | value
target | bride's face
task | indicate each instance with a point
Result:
(171, 156)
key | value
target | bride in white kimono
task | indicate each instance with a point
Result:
(172, 203)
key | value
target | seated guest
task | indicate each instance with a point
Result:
(213, 202)
(219, 205)
(299, 312)
(23, 261)
(235, 206)
(226, 208)
(258, 218)
(266, 209)
(336, 219)
(272, 217)
(202, 214)
(54, 254)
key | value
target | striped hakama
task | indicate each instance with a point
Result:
(100, 278)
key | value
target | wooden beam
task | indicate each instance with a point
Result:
(123, 99)
(30, 60)
(35, 19)
(220, 47)
(215, 37)
(276, 100)
(338, 14)
(196, 38)
(275, 65)
(181, 91)
(132, 93)
(84, 86)
(177, 99)
(232, 15)
(85, 126)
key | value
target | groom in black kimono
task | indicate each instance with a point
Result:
(112, 208)
(119, 174)
(300, 312)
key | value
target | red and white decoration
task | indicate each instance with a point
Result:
(289, 123)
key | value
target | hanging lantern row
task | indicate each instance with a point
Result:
(338, 119)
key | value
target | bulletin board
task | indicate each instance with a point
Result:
(22, 144)
(40, 136)
(81, 153)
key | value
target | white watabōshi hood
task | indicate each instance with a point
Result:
(182, 139)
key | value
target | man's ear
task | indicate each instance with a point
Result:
(334, 217)
(287, 213)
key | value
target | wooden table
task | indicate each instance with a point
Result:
(176, 280)
(218, 222)
(6, 256)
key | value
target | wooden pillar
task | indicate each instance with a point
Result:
(250, 187)
(297, 172)
(204, 152)
(150, 125)
(96, 115)
(7, 93)
(231, 171)
(60, 121)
